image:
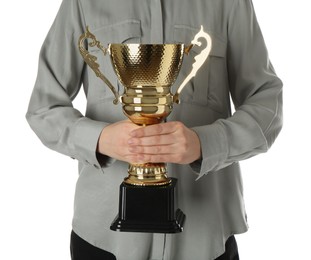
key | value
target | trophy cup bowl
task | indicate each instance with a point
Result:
(147, 72)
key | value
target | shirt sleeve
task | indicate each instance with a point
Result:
(50, 113)
(256, 92)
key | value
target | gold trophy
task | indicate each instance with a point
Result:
(147, 72)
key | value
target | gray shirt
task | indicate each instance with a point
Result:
(210, 190)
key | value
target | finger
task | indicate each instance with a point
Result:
(154, 150)
(134, 159)
(153, 140)
(156, 158)
(151, 130)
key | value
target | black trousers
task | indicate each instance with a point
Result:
(82, 250)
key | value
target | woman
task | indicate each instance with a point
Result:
(202, 141)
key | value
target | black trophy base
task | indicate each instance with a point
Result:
(148, 209)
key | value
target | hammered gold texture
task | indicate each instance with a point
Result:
(147, 72)
(146, 64)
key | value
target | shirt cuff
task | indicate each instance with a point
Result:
(214, 147)
(87, 132)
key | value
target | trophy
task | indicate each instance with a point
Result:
(147, 199)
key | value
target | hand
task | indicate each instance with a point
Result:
(169, 142)
(113, 140)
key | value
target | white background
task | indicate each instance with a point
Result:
(37, 184)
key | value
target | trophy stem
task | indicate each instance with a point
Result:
(148, 174)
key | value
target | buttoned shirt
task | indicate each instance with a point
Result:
(210, 190)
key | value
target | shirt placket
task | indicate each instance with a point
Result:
(156, 21)
(156, 37)
(158, 249)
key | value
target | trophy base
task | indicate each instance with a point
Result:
(148, 209)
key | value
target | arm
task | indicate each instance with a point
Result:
(256, 92)
(50, 113)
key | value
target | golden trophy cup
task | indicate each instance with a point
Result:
(147, 72)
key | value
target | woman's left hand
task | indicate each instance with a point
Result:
(170, 142)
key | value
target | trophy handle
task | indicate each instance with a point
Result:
(91, 59)
(199, 59)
